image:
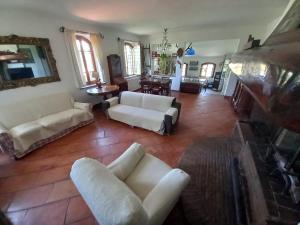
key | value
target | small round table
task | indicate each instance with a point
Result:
(103, 91)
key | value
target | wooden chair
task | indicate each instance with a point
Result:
(146, 86)
(166, 87)
(156, 87)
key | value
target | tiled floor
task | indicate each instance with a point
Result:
(36, 190)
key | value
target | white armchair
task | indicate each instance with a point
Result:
(137, 188)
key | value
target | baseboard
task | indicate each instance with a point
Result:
(229, 98)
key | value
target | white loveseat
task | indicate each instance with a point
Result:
(135, 189)
(152, 112)
(30, 124)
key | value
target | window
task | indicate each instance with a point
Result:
(207, 70)
(132, 54)
(184, 69)
(87, 59)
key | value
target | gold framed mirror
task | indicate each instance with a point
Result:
(26, 61)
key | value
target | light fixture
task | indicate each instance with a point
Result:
(165, 45)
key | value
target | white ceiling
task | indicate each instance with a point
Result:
(150, 16)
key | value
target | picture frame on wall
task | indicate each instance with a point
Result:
(193, 65)
(193, 68)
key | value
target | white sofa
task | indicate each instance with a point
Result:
(135, 189)
(30, 124)
(152, 112)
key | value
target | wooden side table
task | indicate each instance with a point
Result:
(103, 91)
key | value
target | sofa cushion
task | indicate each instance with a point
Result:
(125, 164)
(57, 121)
(157, 102)
(25, 111)
(109, 199)
(131, 98)
(62, 120)
(146, 175)
(139, 117)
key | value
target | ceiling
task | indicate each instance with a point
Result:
(145, 17)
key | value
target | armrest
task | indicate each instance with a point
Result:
(109, 199)
(162, 198)
(173, 112)
(83, 106)
(123, 166)
(6, 141)
(177, 105)
(113, 101)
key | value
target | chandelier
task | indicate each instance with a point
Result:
(165, 45)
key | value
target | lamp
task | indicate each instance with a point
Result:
(165, 45)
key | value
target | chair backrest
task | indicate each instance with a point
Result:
(145, 83)
(156, 84)
(18, 113)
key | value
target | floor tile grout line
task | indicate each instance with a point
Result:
(41, 185)
(46, 203)
(69, 200)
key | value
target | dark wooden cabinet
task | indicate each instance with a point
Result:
(217, 80)
(190, 87)
(115, 72)
(242, 101)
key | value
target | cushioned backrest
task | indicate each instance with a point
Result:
(131, 98)
(18, 113)
(123, 166)
(157, 102)
(109, 199)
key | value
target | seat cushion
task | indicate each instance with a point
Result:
(62, 120)
(139, 117)
(57, 121)
(146, 175)
(26, 134)
(110, 200)
(157, 102)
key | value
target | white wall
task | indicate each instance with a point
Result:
(209, 34)
(36, 24)
(202, 59)
(274, 23)
(216, 47)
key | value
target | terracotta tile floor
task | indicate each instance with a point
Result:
(36, 190)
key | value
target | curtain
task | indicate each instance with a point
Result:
(97, 43)
(121, 44)
(70, 41)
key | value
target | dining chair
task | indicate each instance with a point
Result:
(166, 86)
(156, 87)
(146, 86)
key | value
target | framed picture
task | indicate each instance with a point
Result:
(193, 68)
(194, 63)
(27, 52)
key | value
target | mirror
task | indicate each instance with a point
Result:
(26, 61)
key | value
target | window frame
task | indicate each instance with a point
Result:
(81, 38)
(132, 46)
(184, 71)
(208, 63)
